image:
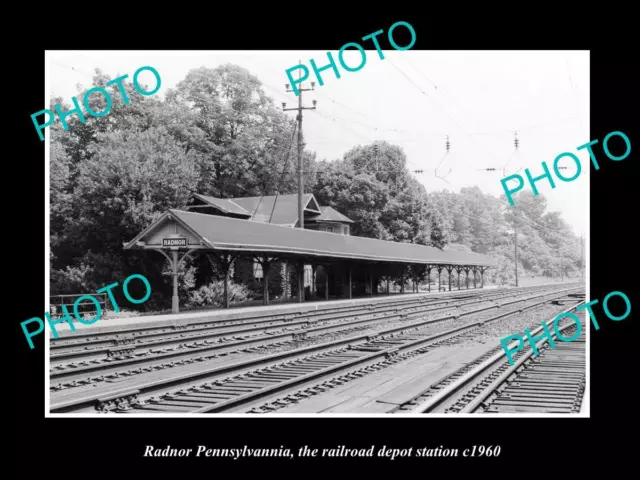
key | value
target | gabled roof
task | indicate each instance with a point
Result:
(213, 232)
(224, 204)
(261, 209)
(330, 214)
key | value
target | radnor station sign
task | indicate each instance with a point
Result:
(174, 242)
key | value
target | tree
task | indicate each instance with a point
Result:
(130, 179)
(248, 138)
(486, 225)
(358, 196)
(113, 175)
(372, 186)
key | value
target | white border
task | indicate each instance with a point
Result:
(47, 237)
(585, 409)
(586, 401)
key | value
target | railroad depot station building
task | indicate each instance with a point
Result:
(258, 239)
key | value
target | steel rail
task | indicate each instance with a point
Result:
(80, 339)
(303, 319)
(138, 333)
(61, 375)
(247, 366)
(93, 356)
(464, 381)
(358, 361)
(73, 338)
(486, 393)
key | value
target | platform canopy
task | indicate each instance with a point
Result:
(196, 231)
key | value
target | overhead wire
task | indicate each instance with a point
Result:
(286, 160)
(468, 134)
(404, 75)
(526, 127)
(328, 117)
(334, 119)
(368, 116)
(574, 90)
(72, 68)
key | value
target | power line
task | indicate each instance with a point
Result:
(408, 79)
(286, 159)
(437, 106)
(334, 120)
(286, 163)
(73, 69)
(443, 111)
(447, 145)
(435, 87)
(575, 94)
(365, 115)
(373, 127)
(443, 92)
(379, 129)
(427, 96)
(328, 117)
(526, 127)
(339, 125)
(516, 143)
(300, 109)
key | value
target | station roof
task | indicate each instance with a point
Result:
(274, 209)
(224, 234)
(277, 209)
(331, 215)
(223, 204)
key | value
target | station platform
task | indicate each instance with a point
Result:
(107, 325)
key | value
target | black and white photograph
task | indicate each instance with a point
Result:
(284, 233)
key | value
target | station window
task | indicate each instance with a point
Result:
(308, 274)
(257, 270)
(334, 228)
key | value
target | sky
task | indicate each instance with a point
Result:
(413, 99)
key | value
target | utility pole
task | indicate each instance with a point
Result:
(582, 256)
(515, 235)
(561, 265)
(300, 108)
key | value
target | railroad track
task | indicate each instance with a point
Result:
(552, 382)
(81, 341)
(130, 363)
(231, 386)
(110, 344)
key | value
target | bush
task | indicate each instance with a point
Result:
(109, 314)
(71, 280)
(213, 295)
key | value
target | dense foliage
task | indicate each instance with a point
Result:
(212, 295)
(373, 187)
(485, 224)
(218, 133)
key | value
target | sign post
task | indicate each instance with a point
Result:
(174, 244)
